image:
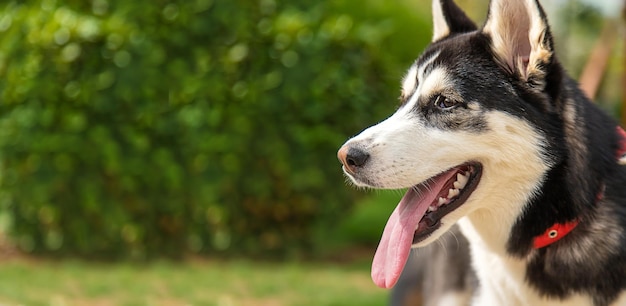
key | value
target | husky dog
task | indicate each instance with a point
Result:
(494, 136)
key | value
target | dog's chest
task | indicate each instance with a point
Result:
(502, 283)
(502, 278)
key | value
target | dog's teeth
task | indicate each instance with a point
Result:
(457, 185)
(462, 180)
(442, 201)
(432, 208)
(453, 193)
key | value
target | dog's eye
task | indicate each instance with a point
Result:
(443, 102)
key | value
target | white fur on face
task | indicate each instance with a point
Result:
(405, 151)
(514, 166)
(393, 142)
(409, 83)
(436, 82)
(412, 78)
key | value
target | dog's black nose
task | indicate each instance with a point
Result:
(352, 158)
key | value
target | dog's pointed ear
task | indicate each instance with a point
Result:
(520, 37)
(449, 19)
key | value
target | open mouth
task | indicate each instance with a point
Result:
(418, 215)
(459, 183)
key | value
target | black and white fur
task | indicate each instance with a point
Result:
(497, 95)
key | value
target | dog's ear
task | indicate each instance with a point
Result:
(520, 37)
(449, 19)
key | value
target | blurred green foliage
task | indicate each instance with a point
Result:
(160, 128)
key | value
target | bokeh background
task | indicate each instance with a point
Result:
(189, 147)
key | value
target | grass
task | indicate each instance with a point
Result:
(231, 283)
(29, 282)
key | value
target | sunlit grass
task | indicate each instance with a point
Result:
(231, 283)
(25, 281)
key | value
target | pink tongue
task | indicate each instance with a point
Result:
(395, 244)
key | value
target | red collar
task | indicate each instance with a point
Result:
(559, 230)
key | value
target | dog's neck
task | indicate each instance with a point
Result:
(489, 230)
(503, 277)
(489, 233)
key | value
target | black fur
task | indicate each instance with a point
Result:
(456, 18)
(571, 187)
(579, 144)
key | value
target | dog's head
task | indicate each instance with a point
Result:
(465, 140)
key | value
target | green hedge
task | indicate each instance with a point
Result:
(161, 128)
